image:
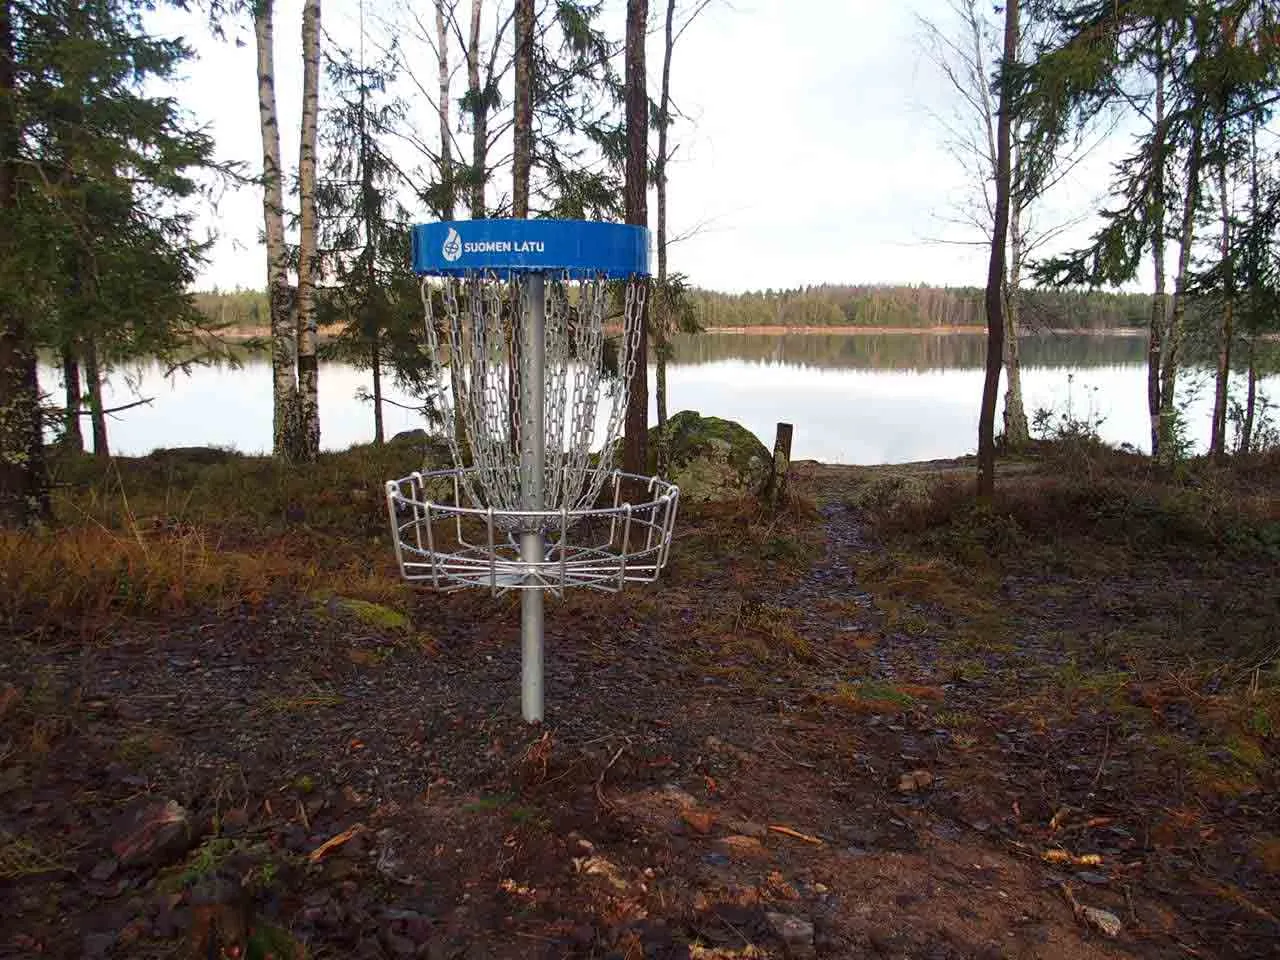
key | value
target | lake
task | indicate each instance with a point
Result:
(853, 398)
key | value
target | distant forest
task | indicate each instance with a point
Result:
(829, 305)
(836, 305)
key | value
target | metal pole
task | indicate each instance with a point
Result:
(532, 460)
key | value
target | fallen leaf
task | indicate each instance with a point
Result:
(700, 820)
(334, 842)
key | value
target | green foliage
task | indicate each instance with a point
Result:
(106, 170)
(365, 231)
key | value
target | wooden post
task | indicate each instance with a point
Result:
(781, 465)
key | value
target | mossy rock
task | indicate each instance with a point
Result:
(712, 459)
(194, 456)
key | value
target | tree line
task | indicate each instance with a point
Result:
(836, 305)
(828, 305)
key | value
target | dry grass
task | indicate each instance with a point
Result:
(172, 533)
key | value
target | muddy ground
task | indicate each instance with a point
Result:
(803, 742)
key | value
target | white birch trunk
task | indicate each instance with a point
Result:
(308, 372)
(284, 385)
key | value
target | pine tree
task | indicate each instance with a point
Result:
(98, 172)
(24, 487)
(364, 230)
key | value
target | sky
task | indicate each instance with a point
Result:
(809, 151)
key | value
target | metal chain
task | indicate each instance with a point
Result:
(484, 322)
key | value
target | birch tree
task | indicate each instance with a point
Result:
(308, 368)
(444, 12)
(965, 51)
(284, 382)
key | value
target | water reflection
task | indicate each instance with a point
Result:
(879, 398)
(906, 351)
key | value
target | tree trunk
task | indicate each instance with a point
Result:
(1016, 432)
(1218, 433)
(662, 328)
(284, 384)
(522, 131)
(308, 368)
(635, 453)
(93, 378)
(375, 363)
(1159, 300)
(1250, 402)
(479, 116)
(446, 151)
(24, 488)
(996, 267)
(1173, 340)
(72, 435)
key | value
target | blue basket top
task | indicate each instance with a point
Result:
(581, 248)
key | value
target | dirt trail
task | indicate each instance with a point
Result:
(642, 822)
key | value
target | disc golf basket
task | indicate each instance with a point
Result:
(532, 394)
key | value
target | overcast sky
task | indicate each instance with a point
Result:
(809, 154)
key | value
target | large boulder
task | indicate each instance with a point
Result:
(712, 459)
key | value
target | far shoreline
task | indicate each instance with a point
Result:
(779, 331)
(241, 334)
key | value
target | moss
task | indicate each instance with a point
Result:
(711, 458)
(372, 614)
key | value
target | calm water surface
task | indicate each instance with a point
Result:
(883, 398)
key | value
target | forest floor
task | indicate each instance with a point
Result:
(886, 723)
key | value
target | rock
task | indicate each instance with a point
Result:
(794, 932)
(154, 833)
(915, 780)
(418, 436)
(435, 451)
(712, 459)
(198, 456)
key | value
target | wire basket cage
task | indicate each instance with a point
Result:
(445, 539)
